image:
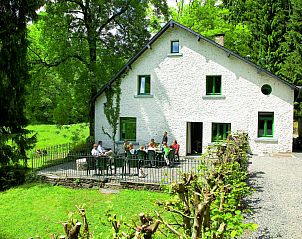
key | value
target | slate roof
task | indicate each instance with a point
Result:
(172, 23)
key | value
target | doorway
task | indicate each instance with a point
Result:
(194, 138)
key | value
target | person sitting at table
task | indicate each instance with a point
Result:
(166, 150)
(176, 146)
(142, 148)
(95, 151)
(131, 148)
(103, 151)
(152, 144)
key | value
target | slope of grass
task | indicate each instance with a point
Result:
(50, 135)
(40, 209)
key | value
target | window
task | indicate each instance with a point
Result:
(266, 89)
(220, 131)
(174, 46)
(144, 85)
(213, 85)
(128, 128)
(265, 124)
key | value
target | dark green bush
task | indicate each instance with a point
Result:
(11, 176)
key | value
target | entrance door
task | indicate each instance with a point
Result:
(194, 138)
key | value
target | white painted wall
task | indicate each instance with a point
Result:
(178, 84)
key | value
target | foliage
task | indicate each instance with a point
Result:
(48, 206)
(208, 203)
(87, 42)
(292, 48)
(112, 110)
(267, 22)
(209, 19)
(14, 140)
(11, 177)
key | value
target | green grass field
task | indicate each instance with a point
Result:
(50, 135)
(40, 209)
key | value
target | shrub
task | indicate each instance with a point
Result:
(11, 176)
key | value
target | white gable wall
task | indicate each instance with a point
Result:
(178, 87)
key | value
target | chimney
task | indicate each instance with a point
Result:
(219, 39)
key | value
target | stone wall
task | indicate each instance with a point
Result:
(78, 183)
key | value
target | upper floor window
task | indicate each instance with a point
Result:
(174, 46)
(144, 85)
(220, 131)
(265, 124)
(213, 85)
(128, 128)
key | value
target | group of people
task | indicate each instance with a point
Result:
(99, 150)
(152, 145)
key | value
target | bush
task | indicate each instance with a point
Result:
(11, 176)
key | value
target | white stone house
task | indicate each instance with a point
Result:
(198, 91)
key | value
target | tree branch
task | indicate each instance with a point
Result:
(56, 63)
(169, 226)
(110, 19)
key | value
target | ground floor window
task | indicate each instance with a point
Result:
(265, 124)
(220, 131)
(128, 128)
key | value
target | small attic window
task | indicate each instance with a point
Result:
(174, 46)
(266, 89)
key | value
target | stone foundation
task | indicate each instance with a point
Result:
(78, 183)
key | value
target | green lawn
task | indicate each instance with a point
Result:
(39, 209)
(50, 135)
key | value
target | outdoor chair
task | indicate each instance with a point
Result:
(102, 163)
(141, 156)
(133, 163)
(119, 162)
(90, 164)
(130, 155)
(151, 158)
(171, 156)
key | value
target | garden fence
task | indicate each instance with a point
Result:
(61, 161)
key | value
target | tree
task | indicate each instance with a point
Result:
(14, 139)
(97, 36)
(267, 22)
(209, 19)
(292, 67)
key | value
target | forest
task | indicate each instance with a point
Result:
(56, 55)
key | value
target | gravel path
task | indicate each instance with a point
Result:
(277, 202)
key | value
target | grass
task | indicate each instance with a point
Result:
(50, 135)
(39, 209)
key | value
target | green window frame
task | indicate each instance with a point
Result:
(220, 131)
(174, 46)
(144, 85)
(128, 128)
(266, 124)
(213, 85)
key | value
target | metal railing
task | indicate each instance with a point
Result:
(49, 156)
(62, 162)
